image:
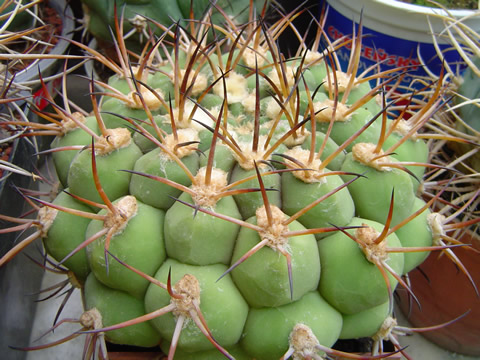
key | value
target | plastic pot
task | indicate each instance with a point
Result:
(20, 276)
(444, 294)
(396, 34)
(20, 279)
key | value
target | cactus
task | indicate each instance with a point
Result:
(208, 214)
(142, 17)
(17, 16)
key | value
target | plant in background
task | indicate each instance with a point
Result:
(462, 115)
(222, 200)
(455, 216)
(143, 18)
(460, 123)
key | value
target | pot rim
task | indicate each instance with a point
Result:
(402, 20)
(29, 75)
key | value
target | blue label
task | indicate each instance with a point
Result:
(391, 52)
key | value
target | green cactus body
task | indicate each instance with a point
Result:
(139, 243)
(223, 158)
(337, 209)
(412, 150)
(267, 329)
(67, 232)
(329, 148)
(263, 278)
(76, 136)
(470, 89)
(416, 233)
(469, 125)
(372, 194)
(119, 83)
(226, 323)
(144, 142)
(116, 306)
(100, 15)
(160, 79)
(342, 130)
(198, 238)
(250, 202)
(113, 106)
(349, 281)
(115, 183)
(357, 94)
(364, 323)
(157, 163)
(227, 216)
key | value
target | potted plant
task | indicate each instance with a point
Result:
(143, 18)
(219, 192)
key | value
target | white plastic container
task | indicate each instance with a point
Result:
(396, 33)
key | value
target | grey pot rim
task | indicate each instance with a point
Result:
(30, 75)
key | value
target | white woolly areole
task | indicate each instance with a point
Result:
(245, 128)
(250, 156)
(273, 233)
(200, 83)
(113, 139)
(135, 72)
(208, 195)
(182, 121)
(151, 100)
(386, 329)
(315, 175)
(237, 87)
(183, 136)
(188, 289)
(91, 319)
(139, 22)
(126, 209)
(435, 221)
(312, 57)
(299, 138)
(46, 217)
(69, 124)
(375, 253)
(324, 111)
(303, 342)
(403, 128)
(249, 103)
(278, 79)
(364, 153)
(273, 109)
(342, 81)
(254, 57)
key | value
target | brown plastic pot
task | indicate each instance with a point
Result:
(445, 293)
